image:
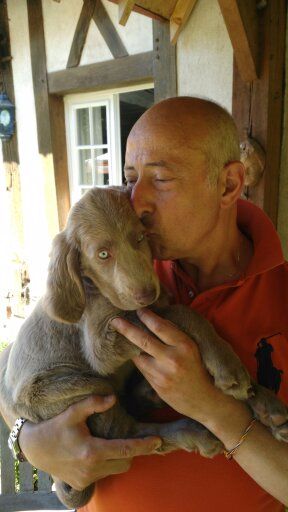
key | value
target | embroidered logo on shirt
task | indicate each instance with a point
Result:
(267, 374)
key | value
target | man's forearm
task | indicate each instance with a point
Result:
(260, 455)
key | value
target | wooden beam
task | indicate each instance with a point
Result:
(43, 108)
(59, 147)
(134, 69)
(81, 33)
(180, 16)
(241, 19)
(124, 9)
(39, 75)
(108, 31)
(257, 106)
(164, 62)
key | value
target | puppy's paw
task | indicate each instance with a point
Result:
(230, 375)
(270, 411)
(191, 436)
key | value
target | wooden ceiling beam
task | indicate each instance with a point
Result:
(241, 19)
(180, 15)
(125, 8)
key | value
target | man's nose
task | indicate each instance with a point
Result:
(141, 199)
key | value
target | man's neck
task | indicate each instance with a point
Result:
(226, 262)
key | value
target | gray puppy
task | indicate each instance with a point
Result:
(101, 267)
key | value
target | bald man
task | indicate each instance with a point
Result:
(222, 257)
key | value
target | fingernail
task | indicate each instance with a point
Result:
(115, 322)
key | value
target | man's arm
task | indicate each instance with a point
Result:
(172, 364)
(64, 447)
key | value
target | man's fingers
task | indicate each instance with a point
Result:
(140, 338)
(95, 403)
(165, 330)
(128, 448)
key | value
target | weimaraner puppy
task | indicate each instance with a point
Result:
(101, 267)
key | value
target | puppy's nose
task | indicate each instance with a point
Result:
(146, 296)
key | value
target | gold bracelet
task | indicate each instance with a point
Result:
(229, 453)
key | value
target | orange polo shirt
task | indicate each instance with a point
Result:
(251, 314)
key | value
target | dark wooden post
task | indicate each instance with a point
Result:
(258, 105)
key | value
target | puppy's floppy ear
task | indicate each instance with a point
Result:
(65, 297)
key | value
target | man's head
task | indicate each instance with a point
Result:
(182, 161)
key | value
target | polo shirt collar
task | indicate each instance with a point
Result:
(255, 224)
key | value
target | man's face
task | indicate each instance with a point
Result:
(170, 192)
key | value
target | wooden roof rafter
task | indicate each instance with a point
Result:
(242, 23)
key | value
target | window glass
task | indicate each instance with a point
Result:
(85, 167)
(83, 129)
(99, 125)
(101, 167)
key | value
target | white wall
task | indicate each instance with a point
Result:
(205, 55)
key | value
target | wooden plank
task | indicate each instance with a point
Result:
(81, 33)
(26, 477)
(39, 73)
(30, 501)
(277, 28)
(258, 106)
(163, 8)
(108, 31)
(241, 19)
(59, 148)
(145, 12)
(44, 481)
(7, 463)
(113, 73)
(164, 62)
(179, 17)
(124, 10)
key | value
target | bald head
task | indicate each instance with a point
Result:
(192, 123)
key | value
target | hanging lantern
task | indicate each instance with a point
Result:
(7, 117)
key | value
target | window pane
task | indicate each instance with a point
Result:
(85, 167)
(99, 125)
(101, 159)
(83, 132)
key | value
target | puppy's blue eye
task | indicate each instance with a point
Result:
(103, 255)
(140, 238)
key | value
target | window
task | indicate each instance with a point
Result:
(97, 127)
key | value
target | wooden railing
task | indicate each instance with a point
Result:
(18, 492)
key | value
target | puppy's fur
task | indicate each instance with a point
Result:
(67, 350)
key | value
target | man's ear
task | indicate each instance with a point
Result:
(232, 183)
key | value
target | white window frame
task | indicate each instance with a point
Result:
(110, 99)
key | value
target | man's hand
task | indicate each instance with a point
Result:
(171, 362)
(64, 447)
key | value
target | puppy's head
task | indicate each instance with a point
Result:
(104, 241)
